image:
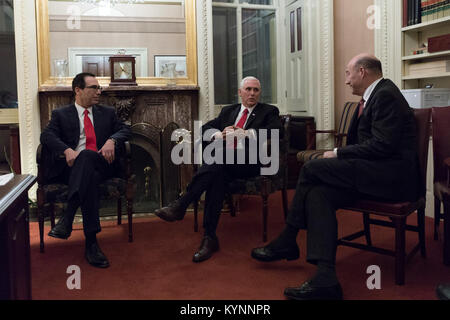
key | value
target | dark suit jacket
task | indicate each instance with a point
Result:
(263, 116)
(63, 131)
(382, 146)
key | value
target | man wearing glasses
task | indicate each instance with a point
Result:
(87, 135)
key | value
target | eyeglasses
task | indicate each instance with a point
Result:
(95, 87)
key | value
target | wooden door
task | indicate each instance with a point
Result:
(97, 65)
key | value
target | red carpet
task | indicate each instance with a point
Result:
(158, 265)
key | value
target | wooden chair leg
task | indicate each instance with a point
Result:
(119, 211)
(366, 218)
(447, 233)
(421, 226)
(285, 202)
(52, 214)
(265, 213)
(229, 199)
(41, 228)
(195, 216)
(437, 217)
(130, 219)
(400, 254)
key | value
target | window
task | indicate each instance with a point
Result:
(8, 78)
(244, 39)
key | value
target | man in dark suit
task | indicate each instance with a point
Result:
(380, 160)
(88, 136)
(236, 120)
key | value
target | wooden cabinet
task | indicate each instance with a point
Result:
(301, 139)
(15, 273)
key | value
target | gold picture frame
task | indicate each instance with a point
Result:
(43, 46)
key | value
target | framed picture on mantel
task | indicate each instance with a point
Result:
(170, 66)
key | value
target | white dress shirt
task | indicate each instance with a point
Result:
(241, 112)
(82, 142)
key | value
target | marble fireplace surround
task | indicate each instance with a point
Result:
(140, 107)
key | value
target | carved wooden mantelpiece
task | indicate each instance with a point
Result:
(153, 105)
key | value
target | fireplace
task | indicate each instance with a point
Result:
(158, 181)
(153, 114)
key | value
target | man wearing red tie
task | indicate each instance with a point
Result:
(244, 119)
(89, 136)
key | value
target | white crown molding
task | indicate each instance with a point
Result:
(27, 83)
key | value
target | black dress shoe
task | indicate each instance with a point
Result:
(172, 212)
(443, 291)
(60, 231)
(308, 292)
(207, 248)
(270, 253)
(95, 256)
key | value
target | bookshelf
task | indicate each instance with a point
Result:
(409, 39)
(413, 38)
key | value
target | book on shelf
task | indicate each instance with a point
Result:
(431, 10)
(435, 9)
(417, 12)
(440, 9)
(428, 68)
(405, 13)
(423, 8)
(410, 12)
(439, 43)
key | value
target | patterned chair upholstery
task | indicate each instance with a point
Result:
(262, 185)
(339, 136)
(54, 195)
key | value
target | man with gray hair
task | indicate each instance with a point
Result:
(380, 161)
(243, 119)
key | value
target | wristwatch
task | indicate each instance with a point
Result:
(114, 140)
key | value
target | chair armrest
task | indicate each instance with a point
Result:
(447, 165)
(40, 174)
(324, 131)
(39, 155)
(339, 138)
(313, 135)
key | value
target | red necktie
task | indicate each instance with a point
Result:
(91, 141)
(361, 107)
(242, 120)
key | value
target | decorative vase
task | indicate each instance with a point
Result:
(171, 74)
(60, 70)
